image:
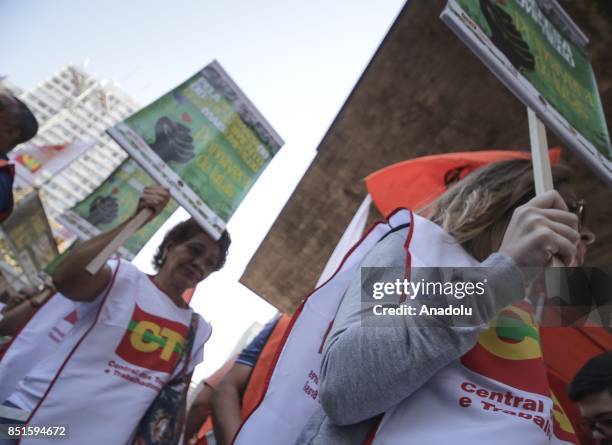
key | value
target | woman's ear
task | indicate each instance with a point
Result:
(165, 253)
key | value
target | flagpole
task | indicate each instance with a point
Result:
(542, 176)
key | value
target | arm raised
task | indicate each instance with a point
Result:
(73, 281)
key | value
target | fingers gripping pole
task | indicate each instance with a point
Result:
(100, 260)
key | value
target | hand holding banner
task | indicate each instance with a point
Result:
(543, 62)
(112, 203)
(205, 141)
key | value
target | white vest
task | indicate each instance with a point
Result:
(109, 376)
(459, 403)
(39, 338)
(292, 394)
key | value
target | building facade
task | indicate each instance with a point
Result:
(423, 93)
(74, 106)
(70, 106)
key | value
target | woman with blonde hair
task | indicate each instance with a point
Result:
(429, 379)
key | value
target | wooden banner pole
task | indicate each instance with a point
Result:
(100, 260)
(542, 176)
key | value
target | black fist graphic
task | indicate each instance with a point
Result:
(506, 37)
(103, 210)
(173, 141)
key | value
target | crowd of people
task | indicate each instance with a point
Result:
(111, 354)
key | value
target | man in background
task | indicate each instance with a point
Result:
(17, 125)
(591, 389)
(221, 408)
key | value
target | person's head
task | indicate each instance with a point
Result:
(187, 255)
(591, 389)
(17, 123)
(477, 209)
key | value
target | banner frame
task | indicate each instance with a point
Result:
(480, 44)
(84, 230)
(144, 156)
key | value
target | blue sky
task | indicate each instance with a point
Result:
(296, 60)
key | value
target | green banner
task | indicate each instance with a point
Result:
(112, 203)
(549, 71)
(209, 137)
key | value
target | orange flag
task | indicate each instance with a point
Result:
(188, 295)
(417, 182)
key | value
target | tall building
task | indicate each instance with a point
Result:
(73, 105)
(70, 106)
(8, 85)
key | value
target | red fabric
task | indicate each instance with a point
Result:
(188, 295)
(566, 350)
(558, 387)
(416, 182)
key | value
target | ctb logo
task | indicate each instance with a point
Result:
(152, 342)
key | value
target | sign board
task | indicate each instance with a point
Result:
(113, 202)
(31, 160)
(29, 235)
(542, 61)
(205, 141)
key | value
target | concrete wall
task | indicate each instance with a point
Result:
(423, 93)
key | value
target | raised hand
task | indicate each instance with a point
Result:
(541, 229)
(154, 198)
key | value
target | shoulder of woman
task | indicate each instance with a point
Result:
(203, 331)
(119, 266)
(388, 252)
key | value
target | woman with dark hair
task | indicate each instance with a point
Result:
(181, 233)
(122, 371)
(430, 378)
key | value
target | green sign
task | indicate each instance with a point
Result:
(205, 141)
(537, 57)
(28, 234)
(115, 200)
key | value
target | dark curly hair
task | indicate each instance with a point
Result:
(184, 231)
(594, 377)
(28, 125)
